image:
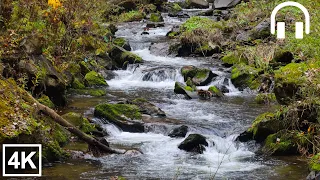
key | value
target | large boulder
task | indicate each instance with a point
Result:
(125, 116)
(194, 143)
(243, 76)
(122, 57)
(202, 4)
(225, 4)
(199, 76)
(179, 131)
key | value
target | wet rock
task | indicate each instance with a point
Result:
(188, 91)
(148, 108)
(215, 91)
(175, 31)
(179, 132)
(199, 76)
(202, 4)
(194, 143)
(92, 78)
(243, 76)
(121, 57)
(156, 17)
(160, 49)
(172, 8)
(245, 137)
(121, 42)
(261, 31)
(108, 75)
(154, 24)
(224, 89)
(145, 33)
(126, 116)
(225, 4)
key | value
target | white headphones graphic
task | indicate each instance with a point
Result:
(281, 25)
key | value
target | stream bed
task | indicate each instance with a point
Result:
(220, 120)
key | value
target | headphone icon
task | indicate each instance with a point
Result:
(281, 25)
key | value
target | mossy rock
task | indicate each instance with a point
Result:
(288, 81)
(126, 116)
(265, 98)
(314, 163)
(207, 50)
(264, 125)
(131, 16)
(280, 144)
(122, 43)
(84, 68)
(232, 58)
(90, 92)
(121, 57)
(243, 76)
(215, 91)
(45, 100)
(77, 84)
(194, 143)
(79, 121)
(188, 91)
(156, 17)
(199, 76)
(94, 79)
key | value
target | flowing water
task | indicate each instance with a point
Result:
(220, 120)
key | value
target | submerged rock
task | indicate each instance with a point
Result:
(148, 108)
(194, 143)
(188, 91)
(179, 131)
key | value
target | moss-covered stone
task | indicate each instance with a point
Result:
(265, 98)
(131, 58)
(77, 84)
(156, 17)
(264, 125)
(199, 76)
(94, 79)
(131, 16)
(279, 144)
(84, 68)
(45, 100)
(126, 116)
(122, 43)
(117, 112)
(207, 50)
(79, 121)
(243, 76)
(89, 92)
(215, 91)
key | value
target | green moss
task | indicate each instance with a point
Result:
(116, 112)
(94, 79)
(74, 69)
(130, 57)
(140, 100)
(203, 23)
(265, 98)
(45, 100)
(278, 144)
(119, 42)
(216, 91)
(156, 17)
(53, 152)
(188, 88)
(76, 84)
(314, 163)
(232, 58)
(89, 91)
(262, 117)
(293, 73)
(193, 72)
(176, 7)
(243, 76)
(131, 16)
(79, 121)
(202, 73)
(84, 67)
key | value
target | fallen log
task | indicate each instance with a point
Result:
(58, 119)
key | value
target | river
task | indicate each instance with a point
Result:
(220, 120)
